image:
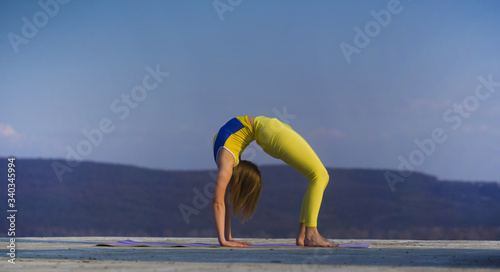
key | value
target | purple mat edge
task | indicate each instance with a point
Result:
(131, 243)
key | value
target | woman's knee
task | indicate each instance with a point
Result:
(322, 177)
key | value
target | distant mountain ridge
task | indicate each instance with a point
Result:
(110, 200)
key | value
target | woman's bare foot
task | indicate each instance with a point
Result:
(312, 238)
(318, 241)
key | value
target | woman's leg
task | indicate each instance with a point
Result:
(281, 141)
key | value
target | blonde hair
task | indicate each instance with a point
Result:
(246, 186)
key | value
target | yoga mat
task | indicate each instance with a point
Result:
(131, 243)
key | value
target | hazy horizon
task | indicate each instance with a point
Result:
(270, 164)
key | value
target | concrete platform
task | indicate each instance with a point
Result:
(82, 254)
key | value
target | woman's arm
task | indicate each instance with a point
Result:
(225, 162)
(218, 205)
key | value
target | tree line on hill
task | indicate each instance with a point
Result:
(98, 199)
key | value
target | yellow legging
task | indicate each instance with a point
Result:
(280, 141)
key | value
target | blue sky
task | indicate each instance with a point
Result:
(70, 67)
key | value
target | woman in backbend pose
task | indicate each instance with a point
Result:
(238, 183)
